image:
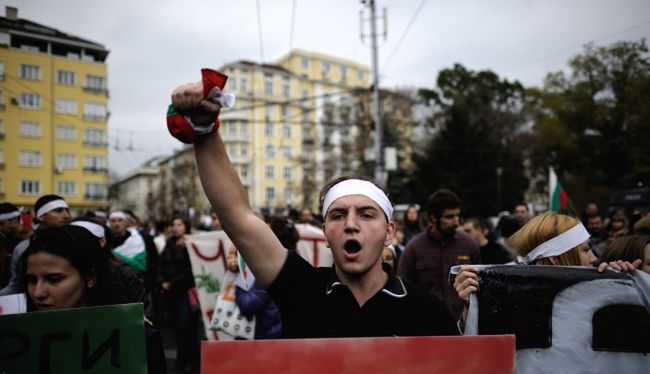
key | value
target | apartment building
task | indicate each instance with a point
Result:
(53, 115)
(278, 136)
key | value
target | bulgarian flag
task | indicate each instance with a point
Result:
(558, 197)
(133, 252)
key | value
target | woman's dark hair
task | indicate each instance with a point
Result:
(81, 249)
(286, 232)
(626, 248)
(186, 223)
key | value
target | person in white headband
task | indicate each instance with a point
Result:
(547, 239)
(358, 224)
(52, 211)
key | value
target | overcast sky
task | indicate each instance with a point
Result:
(157, 45)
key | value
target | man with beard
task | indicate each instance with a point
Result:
(429, 255)
(355, 298)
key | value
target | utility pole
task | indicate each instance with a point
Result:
(375, 85)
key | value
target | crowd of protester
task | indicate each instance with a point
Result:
(383, 267)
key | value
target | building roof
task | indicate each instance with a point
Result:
(263, 66)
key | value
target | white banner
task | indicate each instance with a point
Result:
(208, 252)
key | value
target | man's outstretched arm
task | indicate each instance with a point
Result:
(253, 238)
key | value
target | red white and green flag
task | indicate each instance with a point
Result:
(558, 197)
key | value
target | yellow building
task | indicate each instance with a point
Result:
(274, 136)
(53, 115)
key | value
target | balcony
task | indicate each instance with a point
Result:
(95, 117)
(97, 90)
(95, 144)
(234, 137)
(94, 197)
(240, 160)
(95, 170)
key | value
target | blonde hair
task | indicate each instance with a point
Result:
(541, 229)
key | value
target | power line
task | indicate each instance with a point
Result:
(571, 49)
(293, 23)
(404, 33)
(259, 30)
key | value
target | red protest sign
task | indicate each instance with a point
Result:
(448, 354)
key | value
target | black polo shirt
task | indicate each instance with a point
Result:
(315, 304)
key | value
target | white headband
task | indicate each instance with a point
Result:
(94, 228)
(10, 215)
(358, 187)
(100, 213)
(559, 244)
(56, 204)
(117, 214)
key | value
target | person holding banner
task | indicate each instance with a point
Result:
(547, 239)
(355, 297)
(65, 267)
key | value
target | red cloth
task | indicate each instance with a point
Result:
(178, 125)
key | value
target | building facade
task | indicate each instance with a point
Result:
(53, 115)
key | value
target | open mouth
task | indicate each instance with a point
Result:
(352, 246)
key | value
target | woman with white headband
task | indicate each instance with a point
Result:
(547, 239)
(357, 295)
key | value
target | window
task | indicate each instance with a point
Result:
(288, 195)
(286, 91)
(287, 173)
(95, 191)
(232, 128)
(66, 132)
(31, 72)
(65, 78)
(305, 95)
(244, 150)
(66, 160)
(66, 188)
(304, 62)
(95, 137)
(269, 110)
(94, 163)
(305, 116)
(2, 127)
(325, 67)
(285, 110)
(268, 87)
(95, 83)
(30, 101)
(2, 70)
(269, 172)
(269, 151)
(270, 193)
(95, 111)
(30, 129)
(66, 106)
(30, 158)
(286, 152)
(344, 72)
(286, 131)
(244, 171)
(360, 75)
(243, 84)
(232, 150)
(268, 129)
(2, 157)
(244, 128)
(232, 84)
(30, 187)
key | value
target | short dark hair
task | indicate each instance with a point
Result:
(442, 199)
(479, 223)
(285, 231)
(44, 200)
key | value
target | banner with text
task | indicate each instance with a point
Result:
(96, 340)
